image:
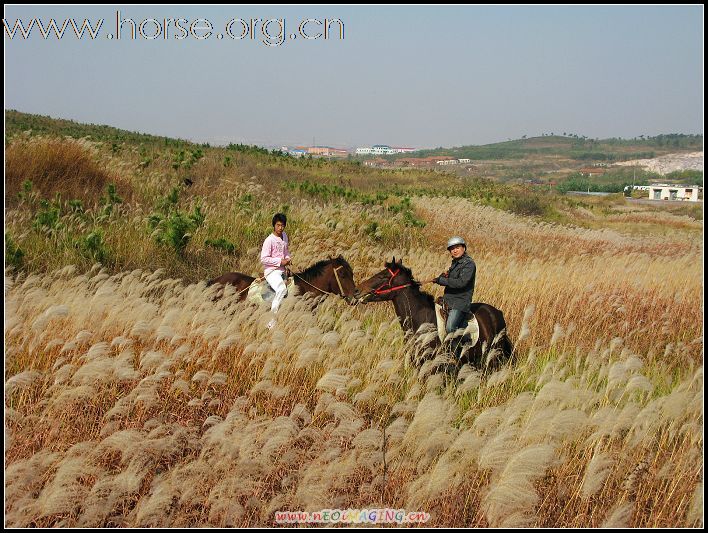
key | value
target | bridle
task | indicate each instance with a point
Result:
(339, 283)
(389, 284)
(387, 287)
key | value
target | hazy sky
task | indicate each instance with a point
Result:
(422, 76)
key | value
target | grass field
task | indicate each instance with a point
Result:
(134, 399)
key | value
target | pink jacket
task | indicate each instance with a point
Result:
(274, 250)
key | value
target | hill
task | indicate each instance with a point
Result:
(17, 122)
(574, 147)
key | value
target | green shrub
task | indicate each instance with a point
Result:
(76, 206)
(196, 216)
(47, 218)
(171, 227)
(178, 160)
(372, 230)
(221, 244)
(93, 246)
(13, 254)
(110, 200)
(27, 194)
(174, 231)
(410, 220)
(528, 205)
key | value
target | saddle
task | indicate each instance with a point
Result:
(262, 292)
(441, 313)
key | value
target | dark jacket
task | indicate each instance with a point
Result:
(459, 283)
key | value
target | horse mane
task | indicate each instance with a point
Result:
(428, 297)
(317, 269)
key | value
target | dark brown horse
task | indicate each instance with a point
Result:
(416, 308)
(331, 276)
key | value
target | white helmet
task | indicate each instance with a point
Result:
(455, 241)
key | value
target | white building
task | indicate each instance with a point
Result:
(674, 192)
(382, 149)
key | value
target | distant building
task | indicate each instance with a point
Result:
(316, 151)
(674, 192)
(382, 149)
(327, 151)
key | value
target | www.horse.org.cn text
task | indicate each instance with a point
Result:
(268, 31)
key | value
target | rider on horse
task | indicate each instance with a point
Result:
(459, 284)
(275, 256)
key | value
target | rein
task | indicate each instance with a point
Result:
(255, 281)
(341, 290)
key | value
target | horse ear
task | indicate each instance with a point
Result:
(393, 260)
(400, 261)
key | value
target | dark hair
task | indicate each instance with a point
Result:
(280, 217)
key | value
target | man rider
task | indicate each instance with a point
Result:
(459, 284)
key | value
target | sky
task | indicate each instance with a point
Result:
(413, 76)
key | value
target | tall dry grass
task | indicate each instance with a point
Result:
(70, 167)
(583, 285)
(133, 400)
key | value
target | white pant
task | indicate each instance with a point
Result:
(275, 280)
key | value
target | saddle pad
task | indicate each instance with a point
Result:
(257, 291)
(441, 321)
(472, 328)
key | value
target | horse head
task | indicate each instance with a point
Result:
(385, 284)
(341, 280)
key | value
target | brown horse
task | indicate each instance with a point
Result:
(416, 308)
(331, 276)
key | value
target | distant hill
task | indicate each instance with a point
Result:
(573, 147)
(17, 122)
